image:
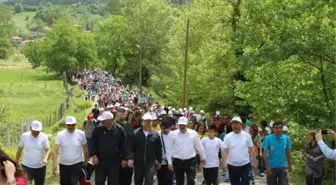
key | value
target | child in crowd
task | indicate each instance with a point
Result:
(212, 145)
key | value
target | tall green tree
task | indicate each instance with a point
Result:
(6, 30)
(34, 51)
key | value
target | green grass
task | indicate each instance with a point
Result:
(27, 92)
(20, 20)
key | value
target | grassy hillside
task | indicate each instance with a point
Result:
(27, 92)
(21, 22)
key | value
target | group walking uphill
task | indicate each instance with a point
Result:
(125, 141)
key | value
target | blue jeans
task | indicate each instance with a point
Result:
(251, 172)
(261, 164)
(279, 176)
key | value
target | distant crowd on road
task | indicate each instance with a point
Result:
(124, 140)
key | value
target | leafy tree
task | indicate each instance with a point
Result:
(18, 8)
(69, 49)
(6, 30)
(34, 51)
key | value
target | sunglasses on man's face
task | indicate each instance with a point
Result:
(71, 125)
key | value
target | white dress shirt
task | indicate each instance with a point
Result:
(182, 146)
(327, 152)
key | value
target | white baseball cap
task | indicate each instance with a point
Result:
(202, 112)
(147, 116)
(70, 120)
(163, 112)
(217, 113)
(182, 121)
(285, 128)
(105, 116)
(36, 125)
(154, 117)
(236, 119)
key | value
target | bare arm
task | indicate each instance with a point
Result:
(86, 153)
(224, 155)
(46, 154)
(253, 154)
(18, 154)
(55, 153)
(289, 158)
(265, 159)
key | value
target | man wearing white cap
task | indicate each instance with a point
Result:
(181, 147)
(238, 147)
(72, 143)
(108, 150)
(36, 149)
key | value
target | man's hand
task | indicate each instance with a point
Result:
(85, 164)
(225, 168)
(55, 170)
(331, 133)
(269, 171)
(170, 167)
(130, 163)
(158, 166)
(318, 136)
(123, 164)
(44, 162)
(289, 168)
(203, 161)
(254, 166)
(95, 160)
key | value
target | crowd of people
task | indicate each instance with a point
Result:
(124, 140)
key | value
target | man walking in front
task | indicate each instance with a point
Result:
(35, 145)
(108, 150)
(71, 142)
(238, 147)
(277, 156)
(181, 147)
(145, 149)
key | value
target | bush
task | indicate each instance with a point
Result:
(18, 8)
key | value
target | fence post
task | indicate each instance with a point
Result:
(27, 124)
(49, 119)
(8, 135)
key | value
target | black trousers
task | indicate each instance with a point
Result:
(210, 175)
(144, 172)
(109, 170)
(165, 176)
(125, 176)
(310, 180)
(35, 174)
(182, 167)
(70, 174)
(239, 175)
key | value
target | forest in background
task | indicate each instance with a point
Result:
(269, 59)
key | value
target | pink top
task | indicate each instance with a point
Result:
(20, 181)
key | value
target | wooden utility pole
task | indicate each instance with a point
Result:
(140, 69)
(184, 95)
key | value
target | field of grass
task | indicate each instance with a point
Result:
(20, 20)
(27, 92)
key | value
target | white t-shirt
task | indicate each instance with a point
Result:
(33, 149)
(146, 133)
(238, 144)
(70, 146)
(211, 149)
(164, 141)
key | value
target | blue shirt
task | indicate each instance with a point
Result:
(276, 149)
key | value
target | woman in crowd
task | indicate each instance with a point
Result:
(314, 161)
(257, 144)
(201, 131)
(11, 173)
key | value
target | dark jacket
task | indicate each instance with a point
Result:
(144, 149)
(109, 145)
